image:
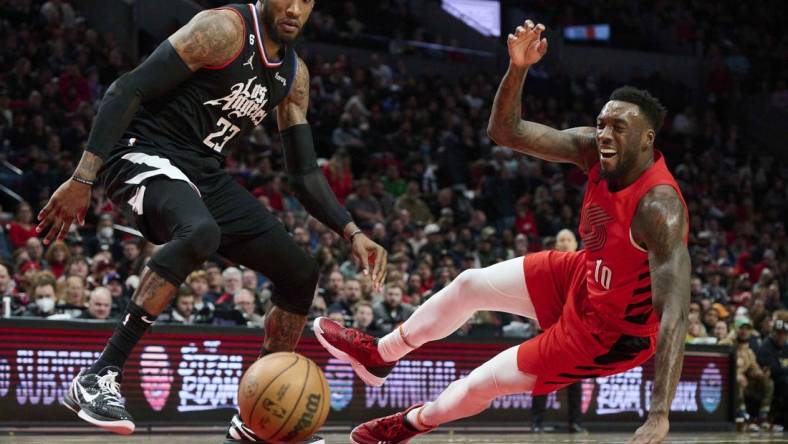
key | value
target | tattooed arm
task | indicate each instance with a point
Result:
(210, 38)
(309, 183)
(660, 224)
(506, 127)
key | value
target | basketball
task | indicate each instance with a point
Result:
(284, 397)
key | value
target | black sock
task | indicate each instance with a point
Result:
(132, 325)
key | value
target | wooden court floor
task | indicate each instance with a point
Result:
(332, 438)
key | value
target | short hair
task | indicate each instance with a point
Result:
(195, 275)
(361, 304)
(42, 279)
(232, 271)
(654, 110)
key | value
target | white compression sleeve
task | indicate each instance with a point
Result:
(499, 287)
(473, 394)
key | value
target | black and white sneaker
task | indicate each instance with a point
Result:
(238, 433)
(96, 399)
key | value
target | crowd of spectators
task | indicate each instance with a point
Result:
(409, 157)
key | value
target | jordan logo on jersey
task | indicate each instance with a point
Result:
(593, 227)
(246, 99)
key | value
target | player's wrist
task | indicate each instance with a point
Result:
(83, 180)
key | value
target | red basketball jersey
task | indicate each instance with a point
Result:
(617, 269)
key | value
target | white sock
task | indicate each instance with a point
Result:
(392, 347)
(413, 419)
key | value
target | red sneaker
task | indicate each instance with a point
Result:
(355, 347)
(393, 429)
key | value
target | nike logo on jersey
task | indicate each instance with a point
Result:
(250, 62)
(85, 395)
(281, 79)
(246, 99)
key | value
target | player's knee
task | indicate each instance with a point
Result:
(467, 278)
(203, 239)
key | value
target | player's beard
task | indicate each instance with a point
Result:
(270, 28)
(627, 160)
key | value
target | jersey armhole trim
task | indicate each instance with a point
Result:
(240, 50)
(635, 244)
(293, 74)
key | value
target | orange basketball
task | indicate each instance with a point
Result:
(284, 397)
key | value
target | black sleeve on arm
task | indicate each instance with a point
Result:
(308, 181)
(160, 73)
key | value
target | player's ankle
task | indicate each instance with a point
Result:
(414, 421)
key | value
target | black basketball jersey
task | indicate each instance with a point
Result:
(218, 105)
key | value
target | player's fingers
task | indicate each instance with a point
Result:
(529, 24)
(81, 216)
(64, 229)
(542, 46)
(519, 31)
(363, 257)
(53, 231)
(380, 263)
(511, 38)
(45, 211)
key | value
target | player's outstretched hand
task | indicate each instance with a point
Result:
(653, 431)
(526, 46)
(367, 253)
(70, 202)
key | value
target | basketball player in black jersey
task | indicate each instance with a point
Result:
(157, 145)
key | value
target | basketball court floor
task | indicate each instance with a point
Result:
(337, 438)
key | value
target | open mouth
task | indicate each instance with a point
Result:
(606, 153)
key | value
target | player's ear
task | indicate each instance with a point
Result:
(648, 138)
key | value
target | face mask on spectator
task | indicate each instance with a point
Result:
(106, 232)
(45, 305)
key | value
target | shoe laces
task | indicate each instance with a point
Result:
(392, 425)
(110, 388)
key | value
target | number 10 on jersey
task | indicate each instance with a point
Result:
(216, 140)
(603, 274)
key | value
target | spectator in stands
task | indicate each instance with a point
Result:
(57, 257)
(232, 280)
(750, 378)
(249, 280)
(364, 208)
(6, 283)
(773, 356)
(412, 202)
(35, 252)
(133, 260)
(21, 228)
(244, 302)
(99, 305)
(182, 310)
(113, 282)
(364, 319)
(203, 305)
(391, 311)
(721, 333)
(336, 315)
(335, 285)
(42, 295)
(71, 297)
(347, 298)
(215, 282)
(105, 239)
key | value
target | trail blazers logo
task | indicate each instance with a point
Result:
(593, 227)
(246, 99)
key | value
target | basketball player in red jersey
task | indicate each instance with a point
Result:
(604, 309)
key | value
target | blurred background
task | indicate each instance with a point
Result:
(401, 92)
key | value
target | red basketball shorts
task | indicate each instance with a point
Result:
(573, 346)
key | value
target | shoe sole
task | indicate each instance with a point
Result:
(361, 371)
(121, 427)
(69, 403)
(353, 441)
(240, 441)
